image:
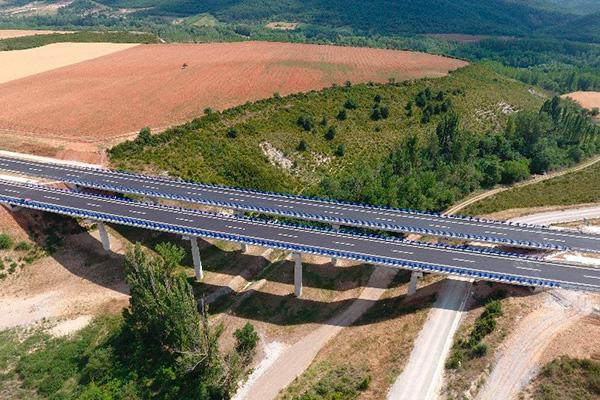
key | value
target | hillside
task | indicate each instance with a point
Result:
(586, 29)
(303, 144)
(578, 7)
(375, 17)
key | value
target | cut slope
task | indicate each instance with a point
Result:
(158, 85)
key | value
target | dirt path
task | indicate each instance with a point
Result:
(421, 379)
(298, 357)
(523, 349)
(471, 200)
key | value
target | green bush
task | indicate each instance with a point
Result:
(6, 242)
(246, 339)
(23, 246)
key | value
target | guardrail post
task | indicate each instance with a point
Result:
(104, 236)
(414, 277)
(297, 274)
(198, 272)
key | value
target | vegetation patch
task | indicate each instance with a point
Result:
(568, 378)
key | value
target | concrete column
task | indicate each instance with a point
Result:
(336, 227)
(196, 257)
(297, 274)
(12, 208)
(244, 247)
(104, 236)
(334, 261)
(150, 200)
(414, 277)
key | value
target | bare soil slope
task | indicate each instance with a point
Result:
(161, 85)
(13, 33)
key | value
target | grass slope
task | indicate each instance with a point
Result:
(568, 378)
(575, 188)
(203, 150)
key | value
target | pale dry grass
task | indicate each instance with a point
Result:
(14, 33)
(22, 63)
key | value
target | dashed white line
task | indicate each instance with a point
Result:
(591, 276)
(463, 260)
(529, 269)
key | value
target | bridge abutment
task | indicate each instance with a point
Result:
(297, 274)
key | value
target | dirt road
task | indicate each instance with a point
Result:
(296, 358)
(421, 379)
(521, 352)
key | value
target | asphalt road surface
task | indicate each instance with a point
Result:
(486, 266)
(309, 209)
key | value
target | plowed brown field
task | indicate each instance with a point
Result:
(587, 100)
(115, 95)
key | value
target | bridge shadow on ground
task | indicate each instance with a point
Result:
(74, 248)
(325, 285)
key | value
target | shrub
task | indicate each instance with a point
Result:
(246, 339)
(330, 134)
(23, 246)
(514, 171)
(385, 112)
(350, 104)
(6, 241)
(479, 350)
(232, 133)
(302, 145)
(342, 115)
(306, 122)
(340, 151)
(377, 98)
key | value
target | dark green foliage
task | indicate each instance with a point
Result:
(350, 104)
(302, 146)
(514, 171)
(306, 122)
(472, 346)
(377, 98)
(171, 254)
(232, 133)
(6, 242)
(23, 246)
(28, 42)
(342, 115)
(330, 134)
(246, 339)
(340, 150)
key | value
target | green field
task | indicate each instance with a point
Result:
(575, 188)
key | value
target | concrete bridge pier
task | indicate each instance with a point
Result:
(414, 277)
(150, 200)
(244, 247)
(198, 272)
(297, 274)
(104, 236)
(12, 208)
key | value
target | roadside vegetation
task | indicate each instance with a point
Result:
(580, 187)
(567, 378)
(28, 42)
(163, 346)
(14, 256)
(421, 144)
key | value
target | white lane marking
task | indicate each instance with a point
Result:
(496, 233)
(402, 252)
(137, 212)
(93, 205)
(51, 197)
(184, 219)
(463, 260)
(554, 240)
(529, 269)
(236, 227)
(592, 277)
(287, 235)
(235, 199)
(12, 191)
(345, 244)
(150, 187)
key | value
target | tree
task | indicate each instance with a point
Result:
(306, 122)
(385, 112)
(342, 115)
(350, 104)
(377, 98)
(514, 171)
(376, 114)
(171, 254)
(447, 133)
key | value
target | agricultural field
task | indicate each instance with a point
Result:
(15, 33)
(589, 100)
(23, 63)
(118, 94)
